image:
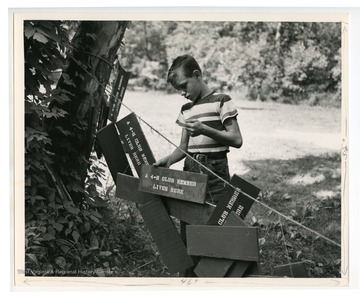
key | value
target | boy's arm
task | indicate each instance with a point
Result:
(231, 136)
(177, 154)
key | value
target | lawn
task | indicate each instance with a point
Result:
(293, 154)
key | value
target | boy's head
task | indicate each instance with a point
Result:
(185, 75)
(185, 62)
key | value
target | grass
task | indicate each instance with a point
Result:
(305, 190)
(291, 152)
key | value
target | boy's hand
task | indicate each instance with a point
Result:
(163, 162)
(194, 127)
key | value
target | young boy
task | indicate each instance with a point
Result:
(209, 126)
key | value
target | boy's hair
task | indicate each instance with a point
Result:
(188, 64)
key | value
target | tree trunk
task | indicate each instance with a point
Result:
(95, 47)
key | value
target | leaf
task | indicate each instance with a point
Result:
(40, 37)
(33, 258)
(94, 219)
(262, 241)
(60, 261)
(94, 243)
(59, 227)
(48, 237)
(100, 272)
(286, 196)
(29, 31)
(270, 194)
(73, 210)
(87, 226)
(97, 214)
(65, 249)
(105, 253)
(64, 132)
(75, 235)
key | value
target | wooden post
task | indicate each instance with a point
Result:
(127, 188)
(113, 151)
(171, 247)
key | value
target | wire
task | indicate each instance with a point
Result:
(211, 172)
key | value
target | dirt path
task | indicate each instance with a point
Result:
(269, 130)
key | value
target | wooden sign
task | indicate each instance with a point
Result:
(189, 212)
(236, 201)
(117, 94)
(219, 267)
(230, 242)
(134, 142)
(294, 269)
(113, 151)
(244, 269)
(171, 247)
(213, 267)
(160, 225)
(173, 183)
(127, 188)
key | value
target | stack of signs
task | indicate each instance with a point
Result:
(234, 235)
(158, 221)
(227, 251)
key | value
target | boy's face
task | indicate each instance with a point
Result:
(190, 87)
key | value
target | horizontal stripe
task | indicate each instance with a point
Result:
(215, 124)
(216, 97)
(207, 114)
(202, 109)
(229, 114)
(211, 111)
(214, 145)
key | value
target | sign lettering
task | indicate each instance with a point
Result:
(173, 183)
(134, 142)
(236, 201)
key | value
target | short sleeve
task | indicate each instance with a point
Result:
(181, 119)
(227, 108)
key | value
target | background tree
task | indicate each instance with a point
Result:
(285, 62)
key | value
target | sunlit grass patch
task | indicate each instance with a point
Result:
(315, 203)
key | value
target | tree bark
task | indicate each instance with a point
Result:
(95, 47)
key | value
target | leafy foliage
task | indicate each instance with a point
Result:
(61, 237)
(285, 62)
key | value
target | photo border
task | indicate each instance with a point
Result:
(19, 15)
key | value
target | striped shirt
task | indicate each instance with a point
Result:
(211, 110)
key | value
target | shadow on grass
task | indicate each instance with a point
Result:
(307, 190)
